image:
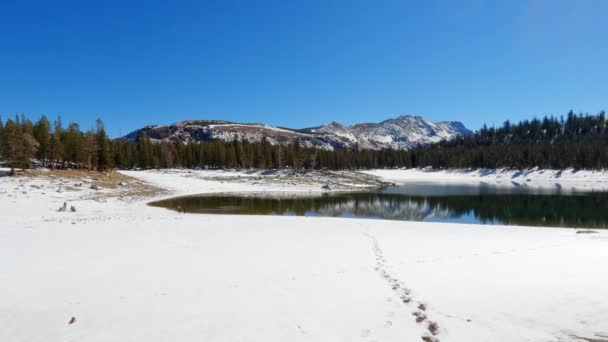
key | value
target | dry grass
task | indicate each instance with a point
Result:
(343, 180)
(123, 186)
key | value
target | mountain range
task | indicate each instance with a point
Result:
(403, 132)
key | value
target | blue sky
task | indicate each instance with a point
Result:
(301, 63)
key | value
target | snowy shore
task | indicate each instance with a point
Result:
(188, 182)
(565, 180)
(126, 271)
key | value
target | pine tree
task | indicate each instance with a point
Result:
(56, 151)
(90, 150)
(1, 138)
(13, 145)
(42, 135)
(74, 145)
(26, 125)
(144, 152)
(103, 148)
(168, 155)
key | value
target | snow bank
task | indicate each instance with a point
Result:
(129, 272)
(568, 179)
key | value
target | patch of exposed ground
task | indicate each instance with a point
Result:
(326, 179)
(118, 185)
(586, 231)
(106, 184)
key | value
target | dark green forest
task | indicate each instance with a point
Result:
(577, 141)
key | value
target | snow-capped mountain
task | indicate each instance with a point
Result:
(403, 132)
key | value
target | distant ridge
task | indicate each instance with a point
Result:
(403, 132)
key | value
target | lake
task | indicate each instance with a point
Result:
(481, 204)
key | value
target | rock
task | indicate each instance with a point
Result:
(326, 187)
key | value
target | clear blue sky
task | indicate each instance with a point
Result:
(301, 63)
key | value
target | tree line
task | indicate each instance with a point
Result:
(577, 141)
(53, 145)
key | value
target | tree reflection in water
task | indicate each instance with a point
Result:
(572, 210)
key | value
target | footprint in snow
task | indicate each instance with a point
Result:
(365, 333)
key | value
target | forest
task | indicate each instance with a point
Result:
(577, 141)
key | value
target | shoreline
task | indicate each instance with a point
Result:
(199, 182)
(567, 180)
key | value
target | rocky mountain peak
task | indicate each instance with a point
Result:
(402, 132)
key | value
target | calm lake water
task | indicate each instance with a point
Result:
(481, 204)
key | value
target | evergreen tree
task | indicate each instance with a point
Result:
(103, 148)
(90, 150)
(42, 135)
(74, 145)
(578, 141)
(56, 152)
(13, 145)
(1, 138)
(144, 152)
(26, 125)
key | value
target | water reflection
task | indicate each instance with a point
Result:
(485, 205)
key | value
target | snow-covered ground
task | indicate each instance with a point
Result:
(565, 180)
(129, 272)
(185, 182)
